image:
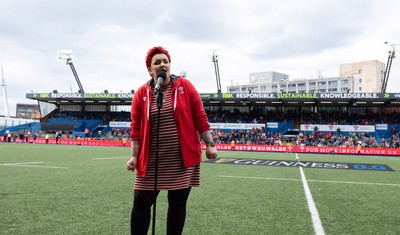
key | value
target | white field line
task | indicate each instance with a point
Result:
(311, 205)
(54, 167)
(320, 181)
(318, 229)
(108, 158)
(23, 163)
(30, 164)
(350, 182)
(256, 178)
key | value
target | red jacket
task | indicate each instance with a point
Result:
(190, 118)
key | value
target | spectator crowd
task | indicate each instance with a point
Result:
(257, 136)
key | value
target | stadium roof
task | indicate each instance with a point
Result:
(234, 99)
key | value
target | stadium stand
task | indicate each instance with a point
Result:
(277, 124)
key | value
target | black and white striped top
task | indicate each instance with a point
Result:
(172, 174)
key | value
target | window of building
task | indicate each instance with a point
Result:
(312, 83)
(360, 80)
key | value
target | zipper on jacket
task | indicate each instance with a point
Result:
(175, 101)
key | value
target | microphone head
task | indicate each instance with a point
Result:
(162, 74)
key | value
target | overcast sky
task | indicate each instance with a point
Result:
(110, 39)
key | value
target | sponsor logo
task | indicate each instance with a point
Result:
(212, 95)
(98, 95)
(349, 95)
(297, 95)
(65, 95)
(227, 95)
(305, 164)
(255, 95)
(125, 95)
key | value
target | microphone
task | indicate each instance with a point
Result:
(161, 76)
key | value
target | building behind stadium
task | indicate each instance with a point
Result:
(365, 76)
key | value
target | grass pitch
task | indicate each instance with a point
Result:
(55, 189)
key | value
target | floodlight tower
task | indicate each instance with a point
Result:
(215, 61)
(392, 54)
(3, 84)
(67, 56)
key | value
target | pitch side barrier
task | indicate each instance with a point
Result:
(109, 143)
(394, 152)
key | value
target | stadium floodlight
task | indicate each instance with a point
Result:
(65, 55)
(392, 54)
(3, 84)
(214, 57)
(68, 56)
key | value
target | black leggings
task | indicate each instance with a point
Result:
(143, 200)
